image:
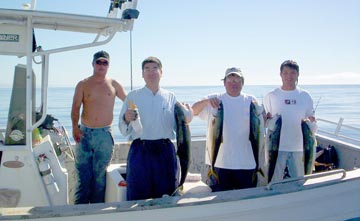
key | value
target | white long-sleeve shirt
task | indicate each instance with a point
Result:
(156, 114)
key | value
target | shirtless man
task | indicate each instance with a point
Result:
(95, 142)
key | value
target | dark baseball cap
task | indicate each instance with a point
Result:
(101, 55)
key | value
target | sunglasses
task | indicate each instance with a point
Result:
(105, 63)
(233, 78)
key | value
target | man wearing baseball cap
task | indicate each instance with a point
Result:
(96, 94)
(101, 55)
(235, 163)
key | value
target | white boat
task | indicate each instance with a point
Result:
(36, 175)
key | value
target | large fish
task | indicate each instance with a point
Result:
(273, 140)
(183, 141)
(214, 140)
(272, 143)
(257, 137)
(309, 145)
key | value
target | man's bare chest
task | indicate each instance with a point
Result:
(99, 93)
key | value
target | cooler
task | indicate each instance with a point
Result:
(115, 190)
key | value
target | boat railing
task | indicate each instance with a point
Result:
(339, 127)
(307, 177)
(338, 132)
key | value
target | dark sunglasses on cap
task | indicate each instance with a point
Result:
(105, 63)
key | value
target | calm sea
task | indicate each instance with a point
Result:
(332, 102)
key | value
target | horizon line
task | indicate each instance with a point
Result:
(204, 85)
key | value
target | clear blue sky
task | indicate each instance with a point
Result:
(198, 40)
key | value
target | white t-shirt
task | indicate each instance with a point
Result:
(293, 106)
(235, 151)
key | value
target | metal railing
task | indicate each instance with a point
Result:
(337, 132)
(311, 176)
(339, 127)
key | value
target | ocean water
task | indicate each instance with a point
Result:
(332, 102)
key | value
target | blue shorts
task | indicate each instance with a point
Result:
(151, 169)
(92, 156)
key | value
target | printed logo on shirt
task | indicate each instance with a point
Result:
(290, 101)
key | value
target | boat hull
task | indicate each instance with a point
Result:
(331, 199)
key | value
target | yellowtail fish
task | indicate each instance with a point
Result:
(309, 145)
(213, 141)
(272, 142)
(183, 141)
(257, 137)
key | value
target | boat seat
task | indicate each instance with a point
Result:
(9, 197)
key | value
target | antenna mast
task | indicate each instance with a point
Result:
(131, 72)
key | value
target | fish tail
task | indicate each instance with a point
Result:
(177, 191)
(212, 173)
